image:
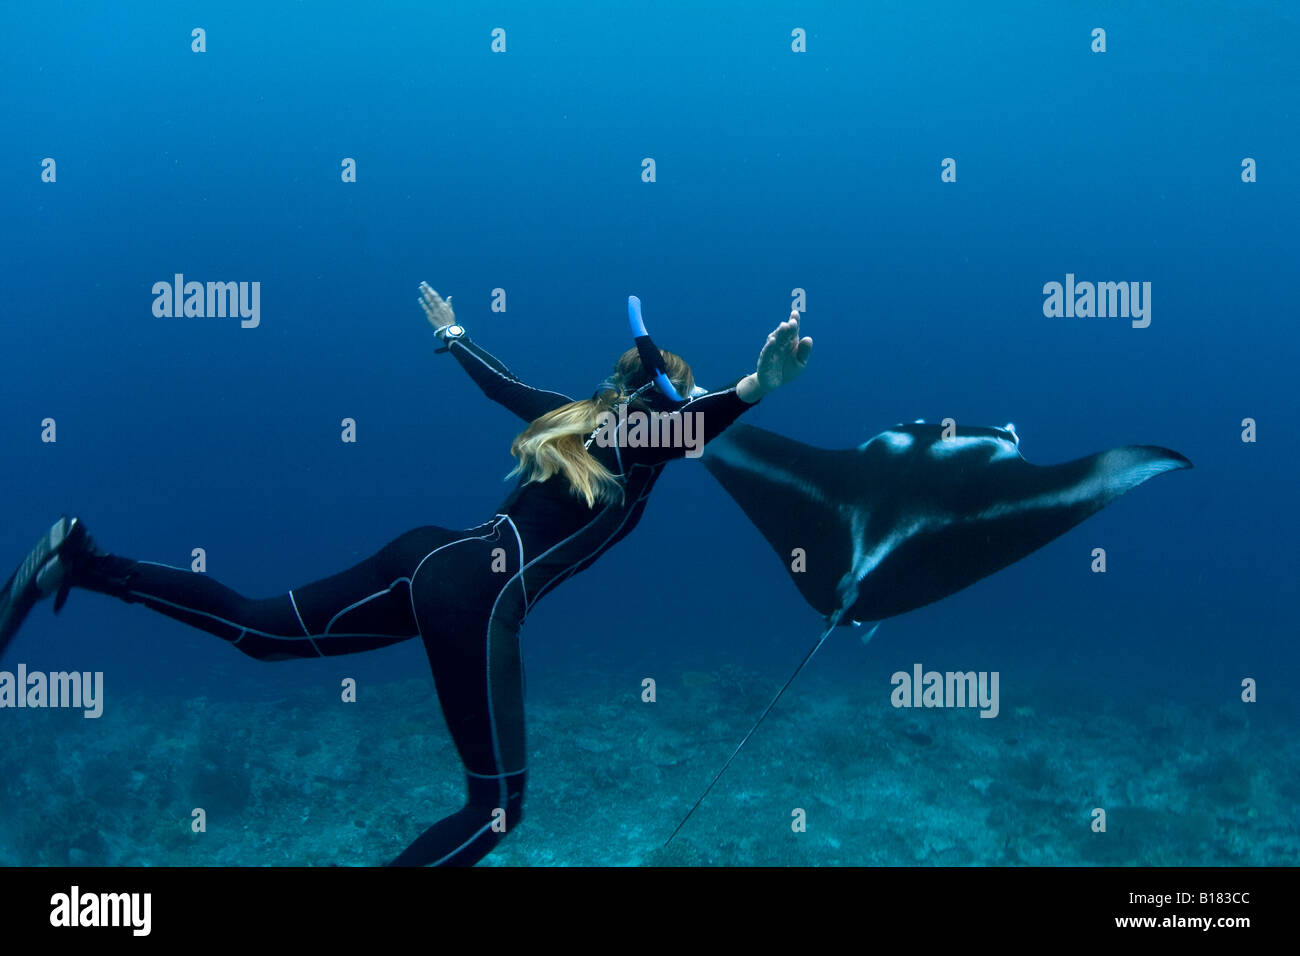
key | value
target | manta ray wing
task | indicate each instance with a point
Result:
(792, 494)
(913, 516)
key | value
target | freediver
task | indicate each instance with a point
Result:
(575, 498)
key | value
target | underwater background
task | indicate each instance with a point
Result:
(774, 170)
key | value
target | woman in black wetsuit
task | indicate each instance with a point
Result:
(464, 593)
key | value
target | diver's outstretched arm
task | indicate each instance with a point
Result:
(488, 372)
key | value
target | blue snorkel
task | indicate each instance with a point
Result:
(651, 360)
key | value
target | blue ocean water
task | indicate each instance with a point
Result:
(774, 171)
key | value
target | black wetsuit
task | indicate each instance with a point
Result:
(464, 593)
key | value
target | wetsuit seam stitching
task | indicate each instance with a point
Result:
(411, 581)
(357, 604)
(303, 624)
(519, 538)
(568, 571)
(247, 630)
(509, 378)
(477, 833)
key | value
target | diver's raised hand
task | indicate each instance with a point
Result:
(437, 310)
(783, 359)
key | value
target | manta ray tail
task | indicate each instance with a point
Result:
(831, 625)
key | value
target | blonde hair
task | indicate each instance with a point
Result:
(555, 443)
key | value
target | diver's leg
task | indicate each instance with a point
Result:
(365, 607)
(470, 625)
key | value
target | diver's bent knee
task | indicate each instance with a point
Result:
(272, 649)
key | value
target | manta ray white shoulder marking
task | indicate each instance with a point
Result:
(893, 440)
(738, 458)
(1002, 447)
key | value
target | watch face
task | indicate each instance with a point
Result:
(455, 330)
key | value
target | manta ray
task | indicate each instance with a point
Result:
(917, 513)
